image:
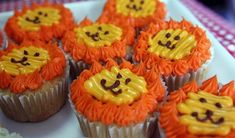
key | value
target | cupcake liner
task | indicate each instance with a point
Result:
(37, 105)
(99, 130)
(77, 67)
(4, 41)
(175, 82)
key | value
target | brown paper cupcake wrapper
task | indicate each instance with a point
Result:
(37, 105)
(175, 82)
(98, 130)
(4, 41)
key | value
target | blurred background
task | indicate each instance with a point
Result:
(225, 8)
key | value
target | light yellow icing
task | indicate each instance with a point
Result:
(46, 17)
(136, 8)
(130, 91)
(183, 45)
(106, 34)
(35, 58)
(193, 104)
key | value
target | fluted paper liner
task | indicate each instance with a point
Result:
(38, 105)
(175, 82)
(144, 129)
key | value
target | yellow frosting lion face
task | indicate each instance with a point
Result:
(98, 35)
(32, 20)
(136, 8)
(172, 44)
(24, 61)
(207, 114)
(119, 86)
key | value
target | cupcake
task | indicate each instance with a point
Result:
(98, 41)
(33, 81)
(3, 41)
(139, 13)
(179, 50)
(200, 111)
(44, 22)
(117, 100)
(4, 133)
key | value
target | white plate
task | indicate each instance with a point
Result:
(64, 123)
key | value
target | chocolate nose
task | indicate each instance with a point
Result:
(168, 43)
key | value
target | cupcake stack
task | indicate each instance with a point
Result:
(133, 74)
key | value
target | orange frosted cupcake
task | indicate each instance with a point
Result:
(33, 81)
(179, 50)
(136, 12)
(45, 22)
(98, 41)
(117, 100)
(200, 111)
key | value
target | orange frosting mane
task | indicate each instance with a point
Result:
(109, 13)
(20, 83)
(198, 56)
(169, 119)
(45, 33)
(79, 50)
(109, 113)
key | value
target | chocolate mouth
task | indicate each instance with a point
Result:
(208, 116)
(112, 87)
(95, 36)
(134, 7)
(36, 20)
(167, 45)
(22, 61)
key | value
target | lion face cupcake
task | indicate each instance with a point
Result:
(39, 22)
(116, 100)
(179, 50)
(205, 111)
(33, 81)
(137, 12)
(98, 41)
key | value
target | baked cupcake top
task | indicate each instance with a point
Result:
(27, 66)
(200, 111)
(175, 48)
(39, 22)
(98, 41)
(138, 12)
(121, 94)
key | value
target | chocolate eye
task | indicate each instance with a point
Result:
(218, 105)
(26, 52)
(36, 54)
(131, 0)
(119, 76)
(168, 35)
(142, 2)
(127, 81)
(106, 32)
(100, 28)
(202, 100)
(45, 15)
(39, 13)
(177, 37)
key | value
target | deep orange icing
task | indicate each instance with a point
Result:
(169, 115)
(109, 113)
(198, 56)
(79, 51)
(20, 83)
(45, 33)
(109, 13)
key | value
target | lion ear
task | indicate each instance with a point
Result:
(210, 85)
